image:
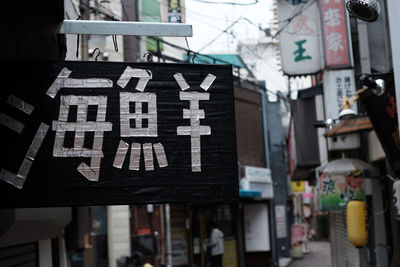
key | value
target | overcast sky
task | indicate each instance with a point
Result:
(209, 20)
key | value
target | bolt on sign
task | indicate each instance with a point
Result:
(335, 34)
(299, 40)
(85, 133)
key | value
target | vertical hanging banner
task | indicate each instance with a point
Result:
(382, 110)
(335, 32)
(337, 84)
(85, 133)
(299, 37)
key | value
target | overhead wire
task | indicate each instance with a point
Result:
(260, 58)
(219, 35)
(227, 3)
(222, 61)
(289, 20)
(213, 26)
(113, 17)
(232, 34)
(211, 17)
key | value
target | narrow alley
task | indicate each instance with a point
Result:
(319, 256)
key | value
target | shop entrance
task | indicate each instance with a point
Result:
(201, 217)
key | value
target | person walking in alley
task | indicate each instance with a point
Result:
(217, 246)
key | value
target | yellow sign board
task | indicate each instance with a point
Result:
(298, 187)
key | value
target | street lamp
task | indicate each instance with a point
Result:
(366, 10)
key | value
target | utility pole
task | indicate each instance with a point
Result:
(84, 7)
(129, 13)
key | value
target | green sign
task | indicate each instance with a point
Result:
(337, 189)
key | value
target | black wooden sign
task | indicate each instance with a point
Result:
(96, 133)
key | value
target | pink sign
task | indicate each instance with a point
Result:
(298, 233)
(335, 34)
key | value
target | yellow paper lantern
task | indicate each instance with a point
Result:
(356, 223)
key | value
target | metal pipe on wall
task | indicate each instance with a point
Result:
(264, 103)
(168, 234)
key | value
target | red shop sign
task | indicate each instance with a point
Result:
(335, 34)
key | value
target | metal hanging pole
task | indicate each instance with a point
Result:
(85, 14)
(134, 28)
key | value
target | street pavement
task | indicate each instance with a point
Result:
(319, 256)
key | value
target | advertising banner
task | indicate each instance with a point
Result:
(335, 32)
(97, 133)
(299, 37)
(298, 233)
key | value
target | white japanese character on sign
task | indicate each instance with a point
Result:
(195, 130)
(334, 41)
(332, 17)
(81, 125)
(347, 86)
(339, 92)
(138, 116)
(144, 115)
(17, 126)
(300, 25)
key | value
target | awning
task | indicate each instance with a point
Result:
(249, 193)
(348, 126)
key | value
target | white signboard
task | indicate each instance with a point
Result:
(280, 218)
(254, 173)
(338, 83)
(300, 37)
(256, 226)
